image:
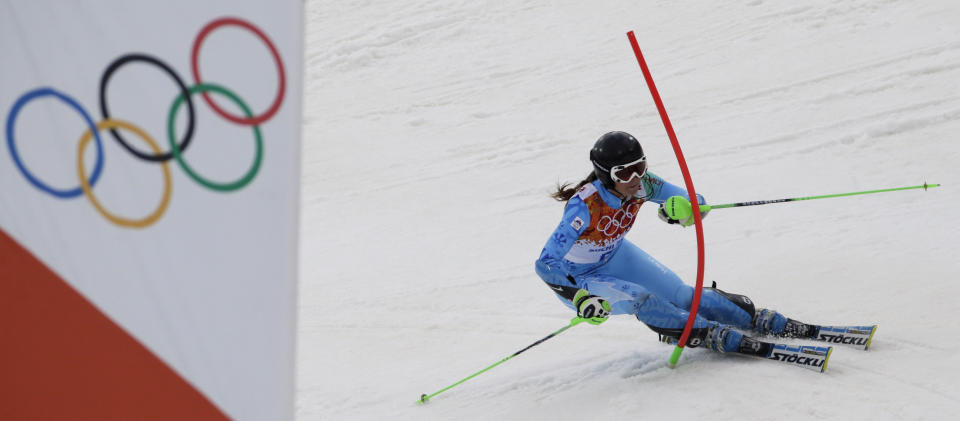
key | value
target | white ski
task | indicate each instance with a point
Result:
(857, 336)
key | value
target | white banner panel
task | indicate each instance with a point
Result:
(178, 216)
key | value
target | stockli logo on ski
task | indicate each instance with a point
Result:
(859, 336)
(809, 357)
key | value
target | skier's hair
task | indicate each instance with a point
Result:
(565, 192)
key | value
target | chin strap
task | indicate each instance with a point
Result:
(616, 193)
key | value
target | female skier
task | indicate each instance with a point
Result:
(597, 272)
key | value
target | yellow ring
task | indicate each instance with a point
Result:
(87, 191)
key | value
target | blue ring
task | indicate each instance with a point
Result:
(12, 117)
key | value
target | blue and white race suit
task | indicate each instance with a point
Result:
(588, 251)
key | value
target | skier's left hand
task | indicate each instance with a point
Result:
(593, 309)
(678, 210)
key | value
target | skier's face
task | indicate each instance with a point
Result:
(630, 188)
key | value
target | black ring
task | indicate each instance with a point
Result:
(183, 89)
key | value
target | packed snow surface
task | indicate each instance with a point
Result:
(435, 130)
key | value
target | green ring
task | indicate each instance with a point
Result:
(251, 173)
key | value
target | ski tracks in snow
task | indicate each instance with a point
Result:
(860, 94)
(434, 130)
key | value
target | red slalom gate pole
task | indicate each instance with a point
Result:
(695, 305)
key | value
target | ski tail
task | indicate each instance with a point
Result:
(870, 338)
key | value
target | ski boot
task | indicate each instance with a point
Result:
(770, 323)
(720, 338)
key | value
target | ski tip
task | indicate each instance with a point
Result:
(826, 360)
(870, 339)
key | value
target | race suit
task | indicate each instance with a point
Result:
(588, 251)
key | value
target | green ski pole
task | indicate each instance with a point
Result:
(576, 320)
(704, 208)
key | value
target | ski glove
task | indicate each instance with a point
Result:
(593, 309)
(678, 210)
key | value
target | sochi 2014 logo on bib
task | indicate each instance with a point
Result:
(618, 223)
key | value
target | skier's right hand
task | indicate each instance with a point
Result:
(593, 309)
(677, 210)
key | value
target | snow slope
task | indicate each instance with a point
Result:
(434, 131)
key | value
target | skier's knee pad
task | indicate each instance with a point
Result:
(697, 335)
(741, 301)
(668, 320)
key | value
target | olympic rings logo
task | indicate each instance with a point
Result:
(623, 218)
(155, 155)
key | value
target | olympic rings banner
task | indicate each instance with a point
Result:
(177, 148)
(148, 248)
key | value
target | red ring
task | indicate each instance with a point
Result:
(194, 65)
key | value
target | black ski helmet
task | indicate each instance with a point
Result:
(613, 148)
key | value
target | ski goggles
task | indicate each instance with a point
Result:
(626, 172)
